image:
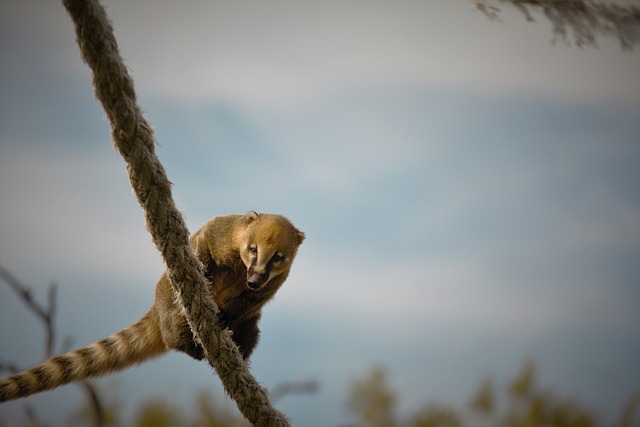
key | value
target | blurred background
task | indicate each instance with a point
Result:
(470, 193)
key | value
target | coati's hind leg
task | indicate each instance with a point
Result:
(187, 344)
(177, 335)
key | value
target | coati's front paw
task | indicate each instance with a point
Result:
(223, 320)
(194, 350)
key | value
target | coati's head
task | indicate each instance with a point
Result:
(268, 244)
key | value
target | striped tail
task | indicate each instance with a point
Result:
(132, 345)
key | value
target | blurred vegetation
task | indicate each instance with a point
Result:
(157, 412)
(372, 399)
(522, 403)
(208, 410)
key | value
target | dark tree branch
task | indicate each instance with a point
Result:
(47, 315)
(584, 19)
(293, 387)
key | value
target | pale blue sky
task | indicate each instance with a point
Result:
(470, 193)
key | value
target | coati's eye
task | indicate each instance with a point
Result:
(277, 257)
(253, 249)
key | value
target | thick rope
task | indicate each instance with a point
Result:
(134, 139)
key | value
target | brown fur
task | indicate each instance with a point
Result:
(246, 259)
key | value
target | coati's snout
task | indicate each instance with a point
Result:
(256, 279)
(258, 272)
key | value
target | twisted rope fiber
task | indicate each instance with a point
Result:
(134, 139)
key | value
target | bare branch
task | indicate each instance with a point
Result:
(31, 416)
(584, 19)
(47, 315)
(25, 293)
(9, 367)
(293, 387)
(53, 309)
(95, 403)
(67, 344)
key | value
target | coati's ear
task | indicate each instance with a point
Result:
(300, 237)
(251, 216)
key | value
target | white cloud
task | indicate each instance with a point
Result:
(336, 146)
(284, 52)
(408, 297)
(70, 213)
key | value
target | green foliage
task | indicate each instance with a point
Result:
(531, 406)
(208, 411)
(435, 415)
(520, 402)
(525, 404)
(211, 412)
(372, 400)
(102, 409)
(628, 411)
(85, 415)
(483, 401)
(157, 412)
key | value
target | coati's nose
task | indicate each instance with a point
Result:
(257, 280)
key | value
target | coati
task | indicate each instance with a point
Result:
(246, 259)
